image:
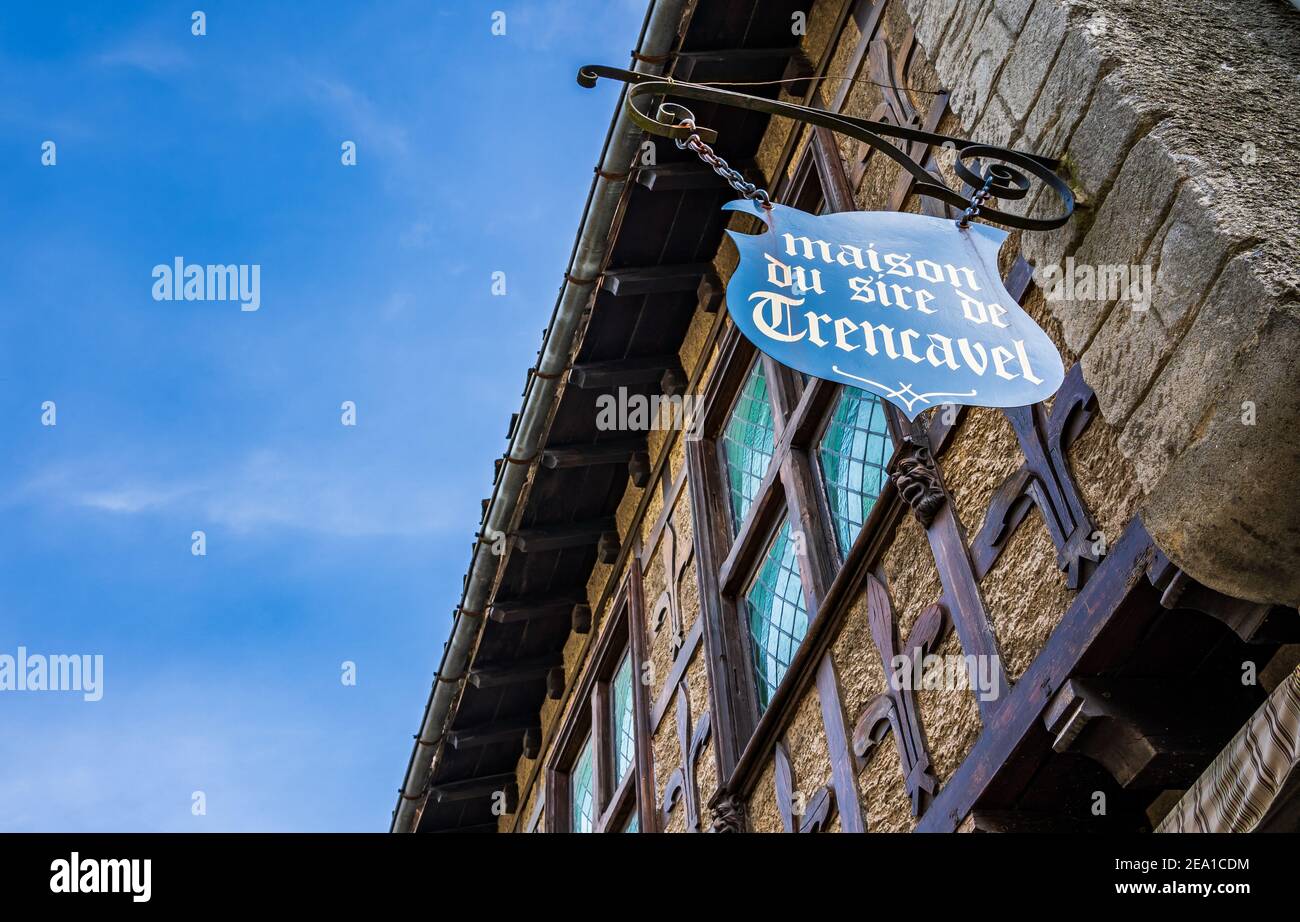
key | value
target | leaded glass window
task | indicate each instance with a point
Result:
(621, 701)
(778, 617)
(634, 824)
(854, 452)
(582, 791)
(747, 443)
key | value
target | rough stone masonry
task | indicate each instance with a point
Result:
(1176, 121)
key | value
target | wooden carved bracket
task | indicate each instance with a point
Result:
(797, 814)
(681, 783)
(1045, 480)
(728, 812)
(1148, 733)
(1253, 622)
(667, 608)
(895, 708)
(913, 472)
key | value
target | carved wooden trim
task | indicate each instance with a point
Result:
(797, 814)
(1099, 605)
(896, 708)
(1045, 479)
(666, 610)
(681, 784)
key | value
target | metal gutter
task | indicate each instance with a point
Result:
(659, 33)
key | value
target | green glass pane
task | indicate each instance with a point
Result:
(854, 452)
(621, 694)
(747, 443)
(582, 793)
(778, 618)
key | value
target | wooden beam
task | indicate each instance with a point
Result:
(612, 451)
(492, 675)
(560, 536)
(1082, 630)
(474, 788)
(1148, 732)
(655, 280)
(731, 64)
(622, 372)
(532, 742)
(526, 609)
(488, 734)
(638, 468)
(582, 618)
(608, 547)
(684, 177)
(555, 683)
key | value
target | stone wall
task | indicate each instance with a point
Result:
(1175, 119)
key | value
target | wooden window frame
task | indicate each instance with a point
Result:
(615, 799)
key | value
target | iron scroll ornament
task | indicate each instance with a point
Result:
(1002, 173)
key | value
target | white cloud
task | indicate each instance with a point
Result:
(266, 490)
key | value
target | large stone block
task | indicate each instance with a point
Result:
(1190, 256)
(953, 51)
(1013, 13)
(1104, 136)
(1220, 422)
(1031, 57)
(1192, 385)
(1126, 354)
(982, 58)
(1129, 217)
(930, 19)
(1064, 96)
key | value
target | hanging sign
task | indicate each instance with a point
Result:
(907, 306)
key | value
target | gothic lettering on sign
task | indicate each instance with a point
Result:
(910, 307)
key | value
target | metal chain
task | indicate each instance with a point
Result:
(722, 168)
(979, 198)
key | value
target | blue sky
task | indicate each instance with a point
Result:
(325, 543)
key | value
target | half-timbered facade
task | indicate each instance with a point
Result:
(1091, 600)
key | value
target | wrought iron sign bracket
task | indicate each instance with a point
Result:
(987, 171)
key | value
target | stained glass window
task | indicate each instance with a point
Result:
(582, 794)
(854, 452)
(778, 618)
(747, 444)
(634, 824)
(621, 708)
